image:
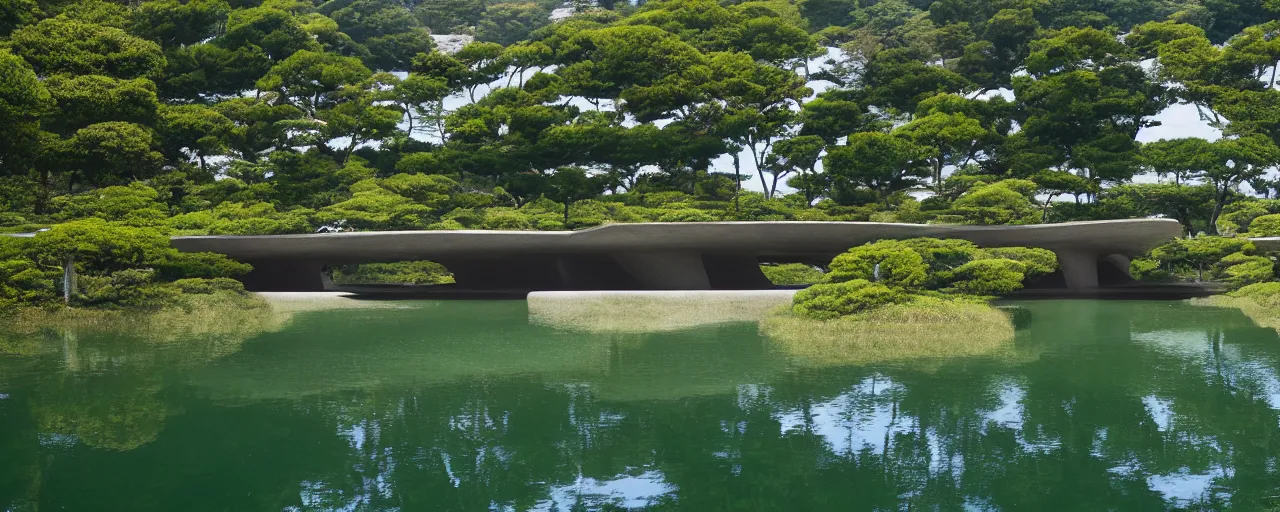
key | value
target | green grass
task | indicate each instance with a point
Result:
(925, 328)
(650, 311)
(792, 274)
(220, 314)
(1260, 302)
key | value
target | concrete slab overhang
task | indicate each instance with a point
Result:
(711, 255)
(760, 239)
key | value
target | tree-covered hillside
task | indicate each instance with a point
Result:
(280, 116)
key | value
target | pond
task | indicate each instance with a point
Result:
(464, 405)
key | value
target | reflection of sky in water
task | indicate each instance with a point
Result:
(1160, 409)
(629, 491)
(1181, 487)
(853, 421)
(1184, 343)
(1009, 415)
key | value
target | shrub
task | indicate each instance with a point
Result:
(943, 254)
(506, 219)
(898, 265)
(1267, 294)
(1240, 270)
(1003, 202)
(130, 288)
(201, 265)
(199, 286)
(1147, 269)
(834, 300)
(686, 215)
(994, 276)
(1266, 225)
(1038, 261)
(401, 272)
(792, 274)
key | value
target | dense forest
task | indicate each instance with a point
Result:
(281, 116)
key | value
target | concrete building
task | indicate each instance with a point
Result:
(666, 256)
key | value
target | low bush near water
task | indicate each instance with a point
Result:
(898, 272)
(923, 327)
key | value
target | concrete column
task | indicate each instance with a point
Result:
(666, 270)
(1080, 268)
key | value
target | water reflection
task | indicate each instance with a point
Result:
(1112, 405)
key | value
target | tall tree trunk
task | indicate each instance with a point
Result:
(937, 177)
(1219, 201)
(760, 171)
(737, 191)
(42, 196)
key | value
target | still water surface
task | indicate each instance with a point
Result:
(466, 406)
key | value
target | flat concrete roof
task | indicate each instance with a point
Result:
(763, 239)
(1271, 243)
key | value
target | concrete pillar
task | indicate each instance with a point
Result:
(665, 270)
(1080, 268)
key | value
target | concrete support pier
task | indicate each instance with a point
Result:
(1079, 268)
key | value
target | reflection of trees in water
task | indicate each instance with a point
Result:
(1074, 428)
(1114, 412)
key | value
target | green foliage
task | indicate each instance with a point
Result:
(234, 218)
(116, 265)
(216, 117)
(1266, 294)
(887, 261)
(134, 205)
(1265, 225)
(202, 286)
(1036, 262)
(995, 276)
(921, 267)
(60, 45)
(1201, 258)
(404, 272)
(834, 300)
(1239, 269)
(1003, 202)
(792, 274)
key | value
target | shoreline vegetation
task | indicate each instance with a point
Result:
(925, 328)
(225, 318)
(895, 300)
(1260, 302)
(656, 311)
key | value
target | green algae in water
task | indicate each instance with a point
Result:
(467, 406)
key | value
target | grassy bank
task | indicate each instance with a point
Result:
(634, 312)
(206, 326)
(1260, 302)
(924, 328)
(187, 316)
